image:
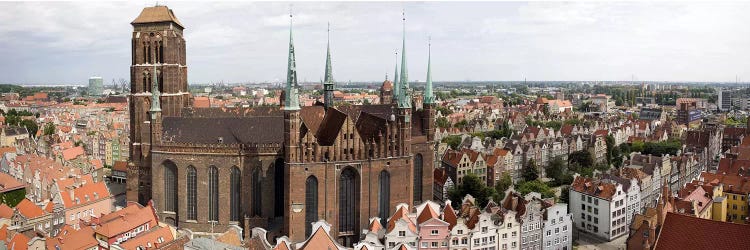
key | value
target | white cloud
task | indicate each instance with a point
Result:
(239, 42)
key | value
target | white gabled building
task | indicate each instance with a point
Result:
(557, 228)
(599, 207)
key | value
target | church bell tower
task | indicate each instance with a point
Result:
(158, 55)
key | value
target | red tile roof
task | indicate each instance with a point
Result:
(319, 240)
(88, 193)
(593, 187)
(686, 232)
(19, 242)
(28, 209)
(427, 214)
(125, 220)
(153, 238)
(5, 211)
(8, 183)
(72, 239)
(72, 153)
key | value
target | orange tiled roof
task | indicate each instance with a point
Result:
(5, 212)
(19, 242)
(69, 238)
(319, 240)
(125, 219)
(594, 187)
(87, 193)
(427, 214)
(28, 209)
(153, 237)
(72, 153)
(687, 232)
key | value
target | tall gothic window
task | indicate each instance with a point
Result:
(170, 186)
(384, 195)
(311, 203)
(256, 193)
(148, 53)
(235, 194)
(278, 182)
(192, 193)
(418, 172)
(348, 205)
(213, 193)
(161, 52)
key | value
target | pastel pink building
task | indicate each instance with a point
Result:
(433, 232)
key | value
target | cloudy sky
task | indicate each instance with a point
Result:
(66, 42)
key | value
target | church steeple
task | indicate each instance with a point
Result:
(155, 94)
(292, 88)
(404, 100)
(396, 87)
(428, 98)
(328, 83)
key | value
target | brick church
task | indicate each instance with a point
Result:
(280, 168)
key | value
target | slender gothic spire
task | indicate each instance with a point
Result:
(155, 94)
(328, 83)
(404, 100)
(396, 87)
(428, 98)
(292, 96)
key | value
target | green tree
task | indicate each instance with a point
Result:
(530, 171)
(49, 128)
(443, 110)
(12, 198)
(565, 195)
(536, 186)
(31, 126)
(443, 122)
(473, 185)
(461, 124)
(556, 170)
(610, 141)
(453, 141)
(502, 185)
(583, 158)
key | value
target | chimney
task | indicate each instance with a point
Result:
(72, 194)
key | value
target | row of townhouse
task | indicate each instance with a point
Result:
(518, 222)
(705, 199)
(489, 162)
(73, 202)
(654, 172)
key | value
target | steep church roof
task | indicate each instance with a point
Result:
(157, 14)
(231, 130)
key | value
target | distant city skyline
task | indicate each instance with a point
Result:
(68, 42)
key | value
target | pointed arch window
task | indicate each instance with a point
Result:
(384, 195)
(235, 194)
(348, 205)
(256, 193)
(192, 193)
(213, 193)
(170, 186)
(279, 187)
(418, 172)
(311, 203)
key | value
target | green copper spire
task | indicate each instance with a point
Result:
(395, 82)
(428, 98)
(404, 100)
(328, 83)
(155, 94)
(292, 96)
